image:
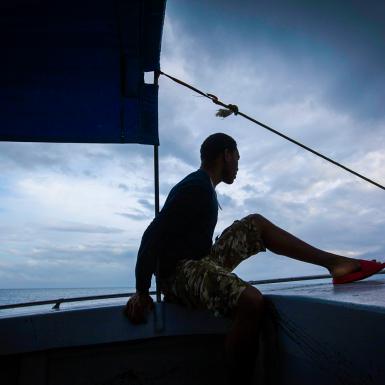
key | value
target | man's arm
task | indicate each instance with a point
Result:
(140, 304)
(145, 265)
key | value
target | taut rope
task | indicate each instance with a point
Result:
(233, 109)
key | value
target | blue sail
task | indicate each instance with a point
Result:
(73, 71)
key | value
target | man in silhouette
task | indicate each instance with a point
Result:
(195, 272)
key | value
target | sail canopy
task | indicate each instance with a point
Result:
(73, 71)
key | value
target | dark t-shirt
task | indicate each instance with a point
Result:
(183, 229)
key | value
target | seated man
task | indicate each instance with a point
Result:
(193, 271)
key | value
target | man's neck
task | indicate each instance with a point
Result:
(213, 174)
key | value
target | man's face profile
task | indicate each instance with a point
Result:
(230, 166)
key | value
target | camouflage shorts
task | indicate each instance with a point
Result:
(209, 282)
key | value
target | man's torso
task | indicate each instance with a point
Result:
(184, 228)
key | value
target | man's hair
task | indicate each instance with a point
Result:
(214, 145)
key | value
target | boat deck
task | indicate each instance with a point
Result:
(368, 293)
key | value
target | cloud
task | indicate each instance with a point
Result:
(123, 187)
(325, 47)
(85, 228)
(79, 265)
(147, 205)
(131, 216)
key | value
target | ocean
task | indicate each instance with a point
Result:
(14, 296)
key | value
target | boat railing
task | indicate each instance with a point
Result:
(59, 301)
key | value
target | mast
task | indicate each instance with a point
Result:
(156, 185)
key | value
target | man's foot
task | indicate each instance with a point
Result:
(354, 270)
(344, 266)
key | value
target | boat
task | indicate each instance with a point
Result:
(70, 83)
(328, 335)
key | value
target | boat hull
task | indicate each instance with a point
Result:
(322, 342)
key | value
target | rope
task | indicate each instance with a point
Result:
(233, 109)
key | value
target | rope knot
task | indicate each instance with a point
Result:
(233, 108)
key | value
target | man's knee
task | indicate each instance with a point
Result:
(257, 218)
(260, 222)
(250, 303)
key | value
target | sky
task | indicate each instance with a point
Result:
(72, 215)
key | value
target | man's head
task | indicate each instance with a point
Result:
(219, 154)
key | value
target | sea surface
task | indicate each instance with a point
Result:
(16, 296)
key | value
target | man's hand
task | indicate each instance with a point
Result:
(138, 307)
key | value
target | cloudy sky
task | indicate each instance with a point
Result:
(73, 215)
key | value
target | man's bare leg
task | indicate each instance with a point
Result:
(281, 242)
(242, 340)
